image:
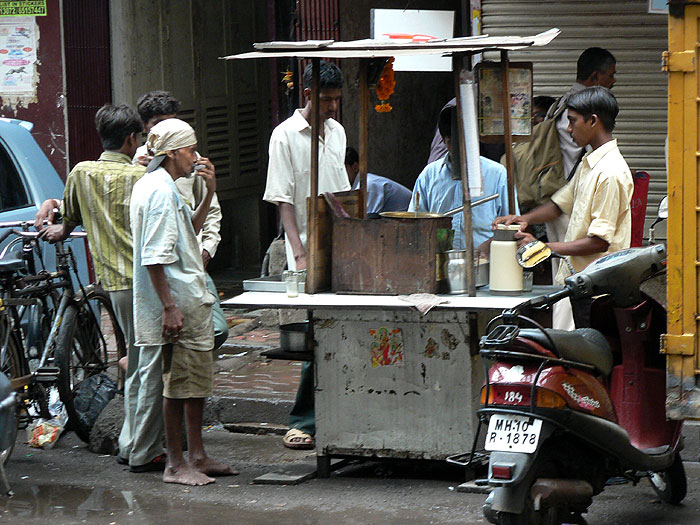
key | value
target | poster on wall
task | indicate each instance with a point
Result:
(18, 56)
(22, 8)
(414, 25)
(490, 98)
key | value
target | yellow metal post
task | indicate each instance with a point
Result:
(681, 343)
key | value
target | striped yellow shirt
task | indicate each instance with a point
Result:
(97, 195)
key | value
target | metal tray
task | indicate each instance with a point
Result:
(271, 283)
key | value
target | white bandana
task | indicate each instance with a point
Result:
(168, 135)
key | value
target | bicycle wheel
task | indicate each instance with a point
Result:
(88, 348)
(11, 366)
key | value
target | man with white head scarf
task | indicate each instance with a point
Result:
(172, 305)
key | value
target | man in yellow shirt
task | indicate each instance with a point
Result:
(597, 198)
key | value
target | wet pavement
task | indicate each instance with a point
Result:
(68, 484)
(240, 369)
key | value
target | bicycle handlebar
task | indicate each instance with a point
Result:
(19, 224)
(30, 235)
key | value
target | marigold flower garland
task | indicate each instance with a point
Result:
(385, 87)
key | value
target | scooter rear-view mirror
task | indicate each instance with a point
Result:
(663, 209)
(661, 214)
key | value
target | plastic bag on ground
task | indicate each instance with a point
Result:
(92, 397)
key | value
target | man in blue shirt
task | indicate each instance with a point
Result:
(382, 194)
(440, 190)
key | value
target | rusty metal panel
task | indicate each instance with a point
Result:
(683, 293)
(88, 76)
(392, 256)
(318, 20)
(395, 384)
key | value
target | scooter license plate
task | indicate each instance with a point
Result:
(508, 433)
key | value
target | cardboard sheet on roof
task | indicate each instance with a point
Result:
(369, 48)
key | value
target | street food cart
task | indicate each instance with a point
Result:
(396, 374)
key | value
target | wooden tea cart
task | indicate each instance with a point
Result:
(390, 381)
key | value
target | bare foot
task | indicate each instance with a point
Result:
(211, 467)
(186, 475)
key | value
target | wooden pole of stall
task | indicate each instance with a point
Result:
(312, 244)
(315, 129)
(364, 132)
(461, 143)
(507, 132)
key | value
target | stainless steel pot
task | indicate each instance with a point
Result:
(456, 271)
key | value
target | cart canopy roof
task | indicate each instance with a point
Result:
(370, 48)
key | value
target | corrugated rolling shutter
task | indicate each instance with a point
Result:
(628, 31)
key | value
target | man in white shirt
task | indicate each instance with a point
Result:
(288, 186)
(288, 173)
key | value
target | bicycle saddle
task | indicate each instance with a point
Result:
(583, 345)
(11, 262)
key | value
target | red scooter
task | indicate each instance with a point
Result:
(567, 411)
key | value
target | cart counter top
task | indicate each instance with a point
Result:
(483, 300)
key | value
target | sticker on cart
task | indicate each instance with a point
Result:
(387, 347)
(432, 348)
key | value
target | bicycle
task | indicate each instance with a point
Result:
(75, 328)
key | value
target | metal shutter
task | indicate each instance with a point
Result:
(636, 38)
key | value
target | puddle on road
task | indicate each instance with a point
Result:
(54, 504)
(48, 504)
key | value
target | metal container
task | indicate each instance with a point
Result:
(271, 283)
(293, 337)
(456, 271)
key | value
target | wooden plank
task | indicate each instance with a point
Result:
(364, 128)
(397, 256)
(461, 143)
(507, 132)
(313, 235)
(320, 240)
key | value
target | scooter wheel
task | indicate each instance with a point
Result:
(670, 484)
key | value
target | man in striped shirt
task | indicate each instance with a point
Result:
(97, 196)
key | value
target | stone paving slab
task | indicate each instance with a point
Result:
(247, 386)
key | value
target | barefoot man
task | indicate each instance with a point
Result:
(172, 305)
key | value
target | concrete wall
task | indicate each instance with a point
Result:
(175, 45)
(399, 141)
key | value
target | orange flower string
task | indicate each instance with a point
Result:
(288, 80)
(385, 87)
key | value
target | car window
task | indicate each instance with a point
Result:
(12, 192)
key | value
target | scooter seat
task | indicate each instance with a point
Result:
(583, 345)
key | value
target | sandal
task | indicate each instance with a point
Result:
(298, 440)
